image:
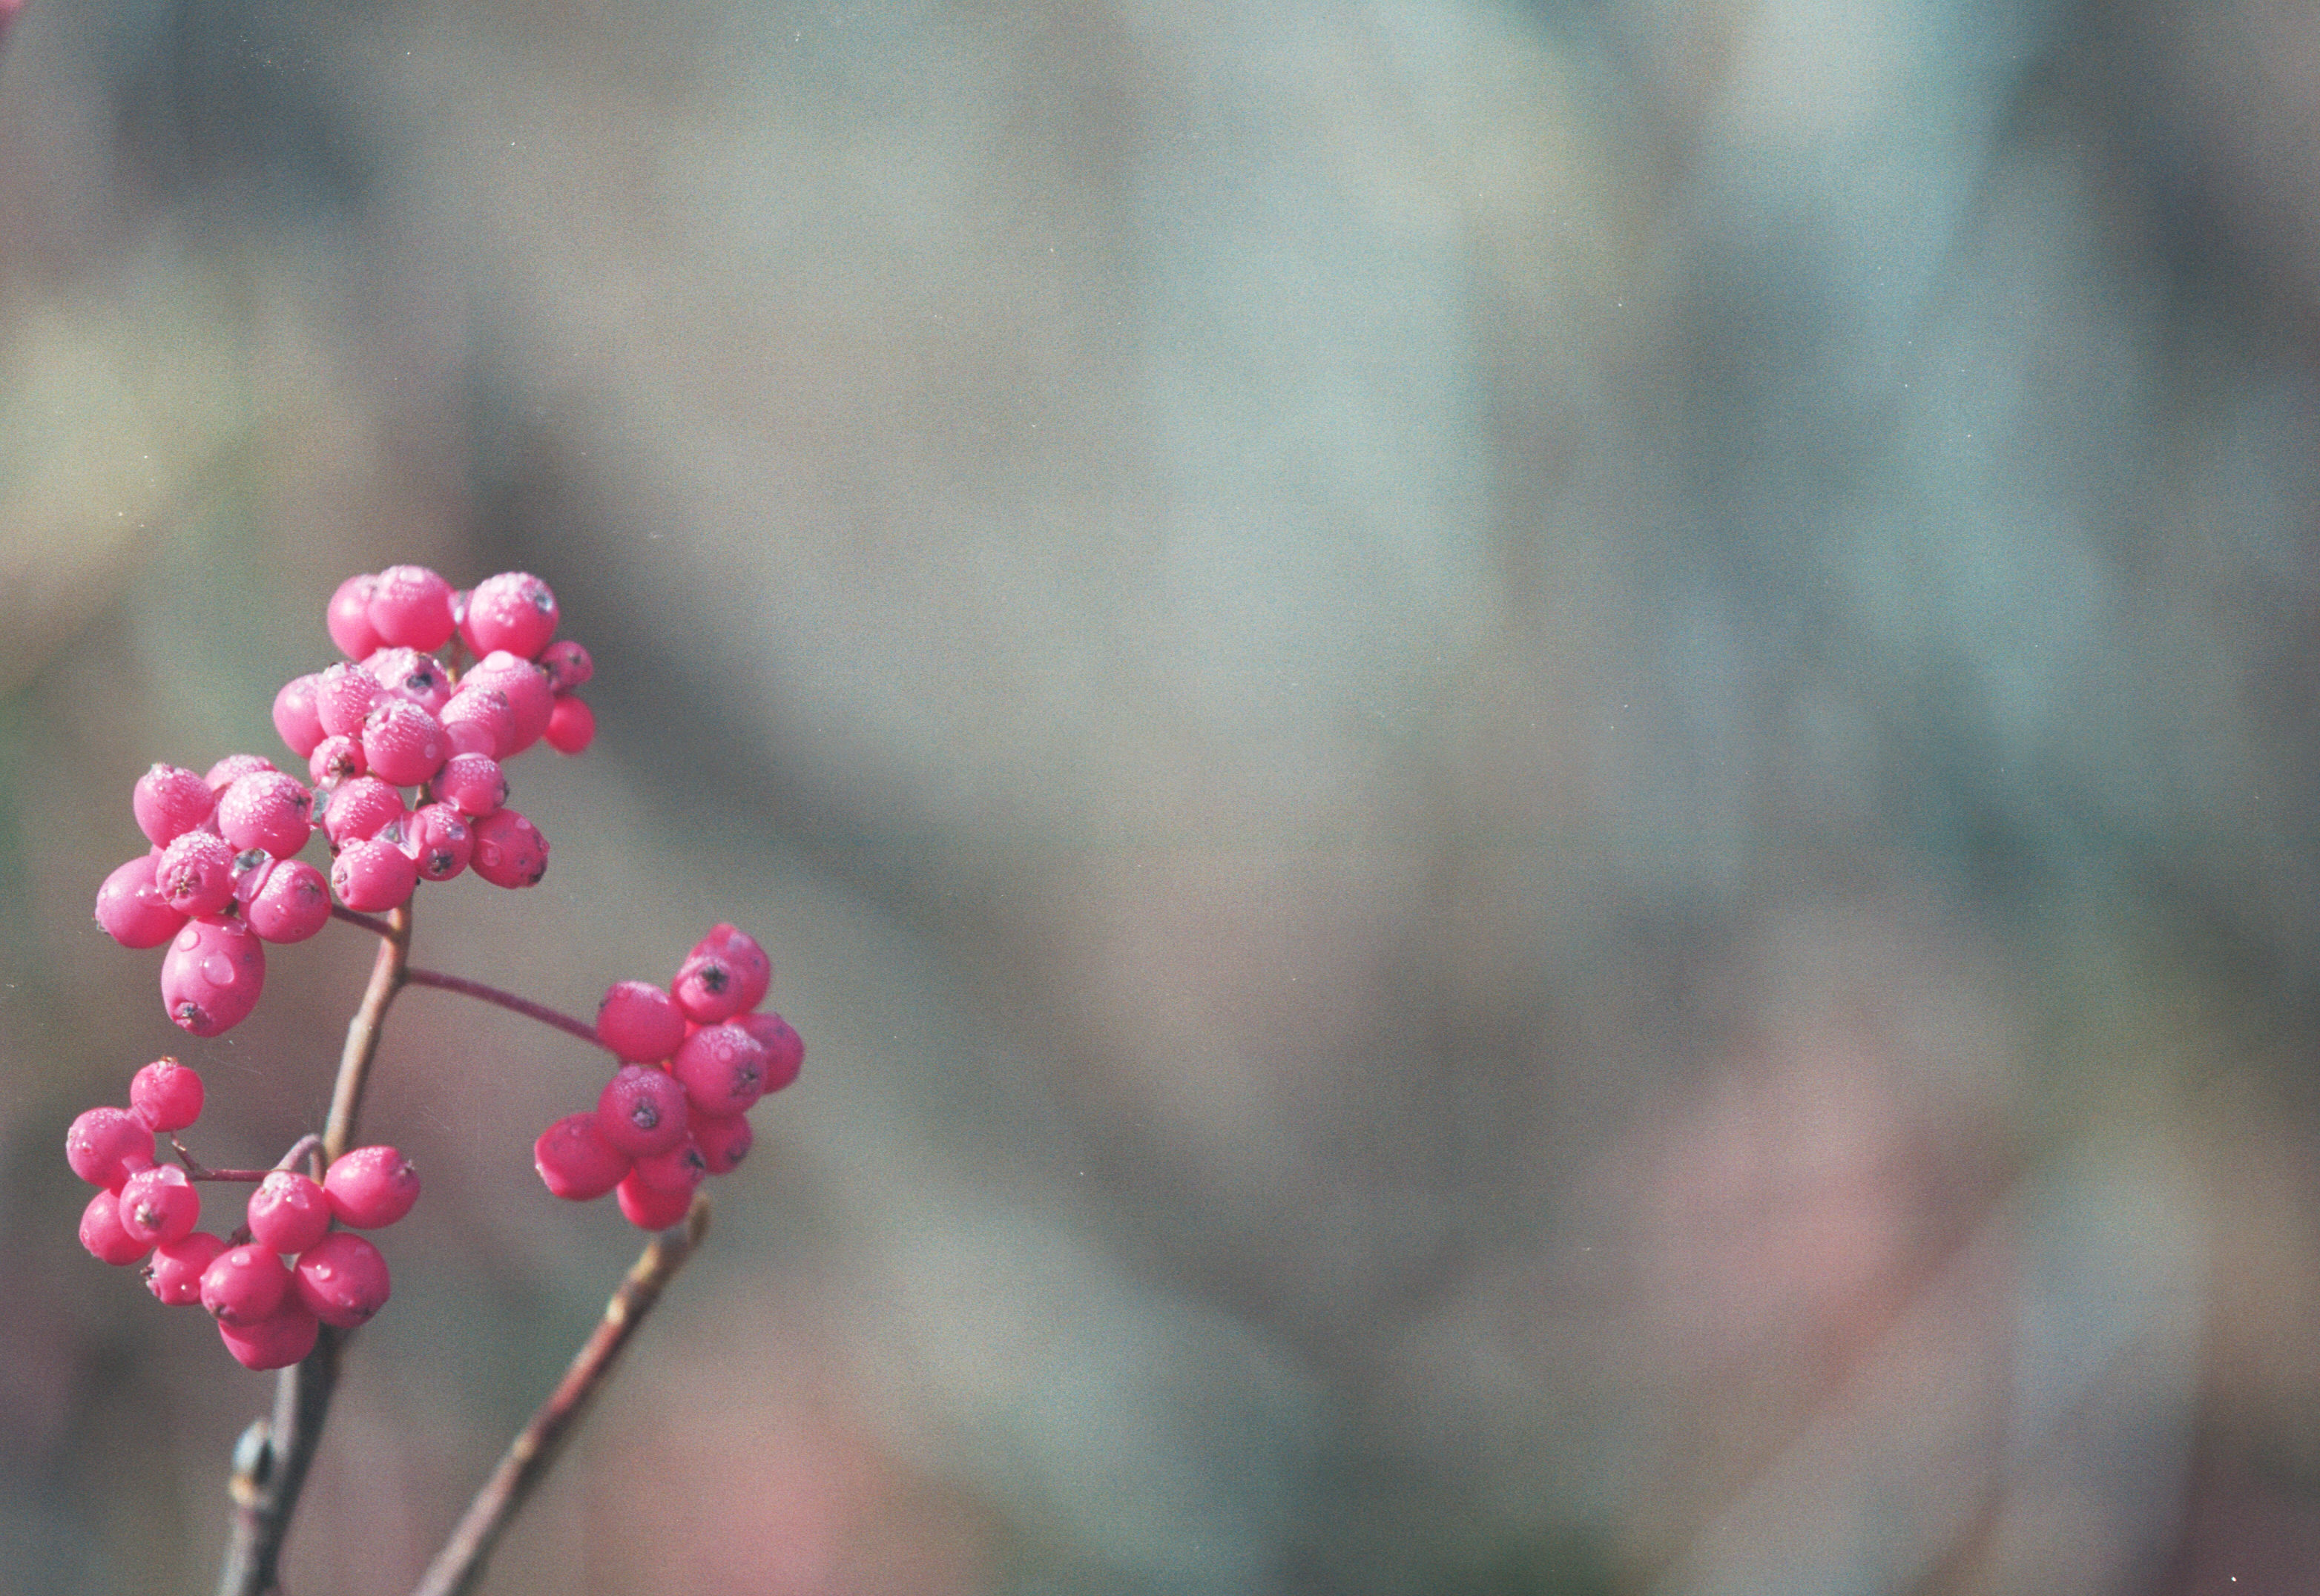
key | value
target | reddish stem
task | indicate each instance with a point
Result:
(508, 1001)
(369, 922)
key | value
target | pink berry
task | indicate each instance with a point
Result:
(404, 744)
(510, 851)
(169, 800)
(282, 1338)
(244, 1284)
(288, 1212)
(411, 607)
(679, 1170)
(373, 876)
(370, 1187)
(529, 698)
(568, 665)
(745, 959)
(647, 1207)
(722, 1069)
(575, 1161)
(571, 727)
(166, 1095)
(349, 618)
(724, 1142)
(438, 840)
(513, 610)
(160, 1205)
(211, 976)
(292, 904)
(641, 1111)
(336, 760)
(131, 908)
(233, 768)
(357, 809)
(486, 708)
(639, 1022)
(174, 1274)
(194, 873)
(785, 1049)
(474, 784)
(342, 1280)
(267, 809)
(295, 716)
(105, 1146)
(344, 698)
(709, 988)
(102, 1233)
(406, 673)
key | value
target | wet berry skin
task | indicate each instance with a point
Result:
(371, 1187)
(342, 1280)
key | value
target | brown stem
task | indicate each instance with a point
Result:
(305, 1145)
(460, 1564)
(270, 1462)
(369, 922)
(508, 1001)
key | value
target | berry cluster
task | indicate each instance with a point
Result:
(285, 1271)
(696, 1056)
(404, 742)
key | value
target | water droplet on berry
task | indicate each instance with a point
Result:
(218, 970)
(488, 853)
(188, 936)
(320, 1271)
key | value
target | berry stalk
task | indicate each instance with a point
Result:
(506, 1000)
(460, 1564)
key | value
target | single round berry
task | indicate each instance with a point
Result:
(288, 1212)
(267, 809)
(358, 809)
(568, 665)
(160, 1205)
(404, 744)
(639, 1022)
(571, 727)
(233, 768)
(708, 989)
(105, 1146)
(295, 716)
(529, 698)
(724, 1142)
(169, 800)
(282, 1338)
(211, 976)
(514, 610)
(131, 908)
(373, 876)
(649, 1207)
(244, 1285)
(370, 1187)
(510, 851)
(641, 1111)
(411, 607)
(166, 1095)
(344, 698)
(438, 841)
(348, 617)
(679, 1170)
(336, 760)
(342, 1280)
(292, 904)
(480, 721)
(722, 1069)
(194, 873)
(406, 673)
(101, 1231)
(472, 782)
(575, 1162)
(174, 1272)
(749, 973)
(785, 1048)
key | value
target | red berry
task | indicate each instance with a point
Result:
(357, 809)
(160, 1205)
(641, 1111)
(473, 783)
(639, 1022)
(373, 876)
(169, 800)
(102, 1233)
(174, 1274)
(105, 1146)
(194, 873)
(337, 759)
(574, 1160)
(785, 1049)
(288, 1212)
(295, 716)
(267, 809)
(568, 665)
(750, 974)
(166, 1095)
(349, 618)
(342, 1280)
(403, 743)
(131, 908)
(244, 1285)
(292, 904)
(571, 727)
(722, 1069)
(680, 1169)
(211, 976)
(647, 1207)
(344, 698)
(370, 1187)
(406, 673)
(486, 708)
(529, 698)
(438, 841)
(411, 607)
(724, 1142)
(510, 851)
(275, 1342)
(513, 610)
(233, 768)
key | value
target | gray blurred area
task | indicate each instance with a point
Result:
(1537, 781)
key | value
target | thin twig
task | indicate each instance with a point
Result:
(305, 1144)
(369, 922)
(508, 1001)
(460, 1564)
(271, 1462)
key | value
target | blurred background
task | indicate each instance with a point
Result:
(1537, 780)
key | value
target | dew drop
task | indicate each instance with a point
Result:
(489, 853)
(187, 938)
(320, 1271)
(219, 971)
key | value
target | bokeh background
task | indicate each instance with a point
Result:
(1538, 781)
